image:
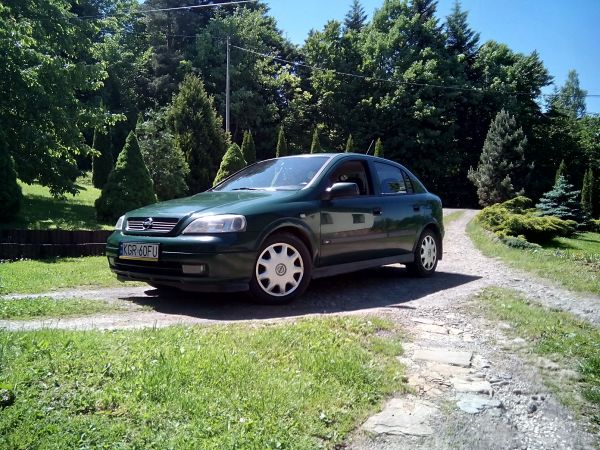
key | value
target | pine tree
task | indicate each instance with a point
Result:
(350, 144)
(460, 38)
(282, 149)
(315, 146)
(10, 191)
(378, 148)
(587, 193)
(129, 185)
(198, 131)
(102, 164)
(561, 171)
(233, 160)
(500, 162)
(562, 201)
(355, 18)
(248, 148)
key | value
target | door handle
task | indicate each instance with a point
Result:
(377, 211)
(416, 207)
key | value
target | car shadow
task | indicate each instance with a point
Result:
(374, 288)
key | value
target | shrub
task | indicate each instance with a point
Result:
(129, 185)
(520, 242)
(315, 146)
(10, 191)
(350, 144)
(163, 157)
(595, 225)
(231, 163)
(514, 218)
(103, 163)
(379, 148)
(282, 149)
(249, 148)
(562, 201)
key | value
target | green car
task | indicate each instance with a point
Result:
(277, 224)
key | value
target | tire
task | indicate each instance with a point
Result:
(426, 255)
(282, 271)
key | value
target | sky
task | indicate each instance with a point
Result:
(566, 33)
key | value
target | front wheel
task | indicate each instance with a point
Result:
(282, 270)
(426, 255)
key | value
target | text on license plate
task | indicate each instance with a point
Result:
(138, 250)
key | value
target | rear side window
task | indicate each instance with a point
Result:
(393, 180)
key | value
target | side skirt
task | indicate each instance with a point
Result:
(328, 271)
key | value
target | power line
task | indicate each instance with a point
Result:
(178, 8)
(367, 77)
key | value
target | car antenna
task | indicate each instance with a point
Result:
(370, 145)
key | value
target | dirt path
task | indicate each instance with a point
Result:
(472, 389)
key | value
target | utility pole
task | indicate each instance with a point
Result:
(227, 90)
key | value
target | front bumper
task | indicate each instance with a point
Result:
(226, 271)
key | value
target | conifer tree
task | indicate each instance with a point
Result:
(198, 131)
(460, 38)
(248, 148)
(587, 193)
(282, 149)
(350, 144)
(102, 164)
(379, 148)
(562, 201)
(129, 185)
(561, 171)
(315, 146)
(500, 162)
(10, 192)
(355, 18)
(233, 160)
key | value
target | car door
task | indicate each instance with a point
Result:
(349, 230)
(400, 207)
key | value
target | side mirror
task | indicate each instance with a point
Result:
(339, 190)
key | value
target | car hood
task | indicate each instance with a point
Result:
(238, 202)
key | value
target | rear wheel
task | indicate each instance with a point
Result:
(282, 270)
(426, 255)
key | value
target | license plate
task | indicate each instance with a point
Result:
(138, 250)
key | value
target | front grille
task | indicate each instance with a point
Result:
(151, 225)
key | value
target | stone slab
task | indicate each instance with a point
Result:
(403, 416)
(476, 385)
(445, 370)
(474, 404)
(444, 356)
(431, 328)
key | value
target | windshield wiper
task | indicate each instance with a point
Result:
(248, 189)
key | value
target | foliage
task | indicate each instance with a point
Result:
(164, 159)
(500, 162)
(355, 18)
(570, 98)
(103, 163)
(561, 171)
(516, 218)
(129, 185)
(520, 242)
(562, 201)
(11, 196)
(47, 68)
(587, 193)
(282, 149)
(198, 132)
(315, 146)
(378, 148)
(233, 161)
(197, 387)
(349, 144)
(249, 148)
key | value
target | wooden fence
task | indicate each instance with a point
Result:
(43, 244)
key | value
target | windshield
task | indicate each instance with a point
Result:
(289, 174)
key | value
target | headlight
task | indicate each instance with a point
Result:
(226, 223)
(119, 225)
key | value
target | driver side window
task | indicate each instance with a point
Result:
(352, 172)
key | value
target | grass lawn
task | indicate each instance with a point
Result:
(574, 262)
(40, 211)
(559, 336)
(300, 385)
(32, 308)
(34, 277)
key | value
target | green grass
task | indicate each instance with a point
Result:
(33, 277)
(300, 385)
(42, 307)
(559, 336)
(40, 211)
(574, 263)
(451, 217)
